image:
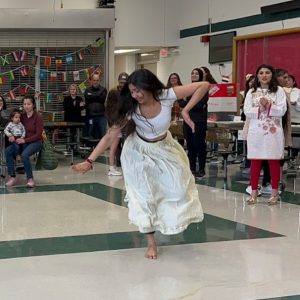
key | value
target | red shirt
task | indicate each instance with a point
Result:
(34, 127)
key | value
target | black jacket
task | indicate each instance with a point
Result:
(72, 113)
(95, 101)
(199, 112)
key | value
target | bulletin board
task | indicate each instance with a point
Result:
(278, 48)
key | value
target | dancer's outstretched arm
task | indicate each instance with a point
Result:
(103, 144)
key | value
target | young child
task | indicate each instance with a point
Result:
(14, 130)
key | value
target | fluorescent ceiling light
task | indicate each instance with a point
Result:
(120, 51)
(147, 54)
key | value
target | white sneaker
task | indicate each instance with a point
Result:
(266, 190)
(249, 190)
(114, 172)
(246, 171)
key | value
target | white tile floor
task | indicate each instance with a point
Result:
(235, 269)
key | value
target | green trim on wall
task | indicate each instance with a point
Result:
(239, 23)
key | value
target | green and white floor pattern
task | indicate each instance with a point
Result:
(69, 238)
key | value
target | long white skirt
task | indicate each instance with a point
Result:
(160, 188)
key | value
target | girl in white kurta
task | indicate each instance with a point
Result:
(293, 95)
(265, 104)
(160, 188)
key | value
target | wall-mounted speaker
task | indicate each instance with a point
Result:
(280, 7)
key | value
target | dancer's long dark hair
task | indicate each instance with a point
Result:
(126, 106)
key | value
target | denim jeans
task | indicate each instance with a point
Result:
(18, 148)
(28, 150)
(97, 127)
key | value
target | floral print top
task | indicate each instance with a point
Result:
(265, 139)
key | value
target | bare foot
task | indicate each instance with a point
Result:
(151, 253)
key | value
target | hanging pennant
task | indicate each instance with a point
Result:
(225, 78)
(23, 71)
(31, 71)
(82, 87)
(15, 55)
(90, 49)
(34, 60)
(80, 55)
(23, 55)
(99, 42)
(47, 61)
(63, 76)
(49, 97)
(86, 74)
(11, 75)
(58, 63)
(43, 74)
(60, 98)
(12, 95)
(69, 59)
(21, 90)
(76, 75)
(53, 76)
(4, 60)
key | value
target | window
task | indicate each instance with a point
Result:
(21, 75)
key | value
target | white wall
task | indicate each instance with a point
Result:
(156, 23)
(195, 13)
(48, 4)
(146, 23)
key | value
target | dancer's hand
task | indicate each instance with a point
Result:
(82, 167)
(186, 117)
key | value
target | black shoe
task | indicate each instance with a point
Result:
(281, 186)
(200, 175)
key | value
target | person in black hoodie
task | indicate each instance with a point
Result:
(95, 97)
(196, 142)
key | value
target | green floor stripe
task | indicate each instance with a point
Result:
(214, 179)
(212, 229)
(294, 297)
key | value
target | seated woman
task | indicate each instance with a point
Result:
(32, 142)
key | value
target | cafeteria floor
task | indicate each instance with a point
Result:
(69, 238)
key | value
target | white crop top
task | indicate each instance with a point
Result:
(157, 126)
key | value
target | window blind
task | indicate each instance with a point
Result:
(21, 75)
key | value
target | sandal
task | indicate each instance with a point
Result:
(251, 200)
(273, 200)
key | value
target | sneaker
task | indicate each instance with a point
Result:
(12, 181)
(114, 172)
(267, 189)
(246, 171)
(30, 183)
(249, 190)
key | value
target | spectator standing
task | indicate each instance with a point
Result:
(95, 97)
(265, 104)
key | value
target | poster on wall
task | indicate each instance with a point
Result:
(222, 103)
